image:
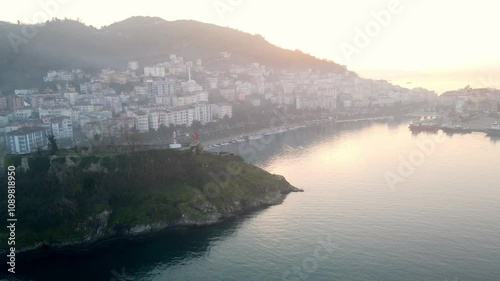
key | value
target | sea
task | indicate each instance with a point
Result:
(379, 203)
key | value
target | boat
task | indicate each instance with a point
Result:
(452, 129)
(424, 126)
(494, 129)
(255, 137)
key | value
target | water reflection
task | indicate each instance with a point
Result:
(139, 257)
(441, 221)
(494, 139)
(268, 147)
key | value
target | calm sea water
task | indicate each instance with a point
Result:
(379, 204)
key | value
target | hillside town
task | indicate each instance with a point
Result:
(76, 106)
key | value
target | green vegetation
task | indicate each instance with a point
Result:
(72, 198)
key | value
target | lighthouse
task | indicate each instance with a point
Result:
(175, 145)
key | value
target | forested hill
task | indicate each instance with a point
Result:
(73, 199)
(63, 44)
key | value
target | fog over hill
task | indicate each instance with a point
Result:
(28, 51)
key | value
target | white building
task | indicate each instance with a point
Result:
(4, 120)
(71, 97)
(165, 100)
(56, 111)
(154, 71)
(142, 123)
(163, 87)
(157, 118)
(22, 113)
(191, 86)
(140, 90)
(222, 110)
(329, 103)
(62, 127)
(114, 103)
(199, 97)
(133, 65)
(51, 76)
(26, 139)
(203, 113)
(181, 116)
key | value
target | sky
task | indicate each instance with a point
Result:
(440, 45)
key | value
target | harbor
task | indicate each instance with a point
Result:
(218, 143)
(478, 124)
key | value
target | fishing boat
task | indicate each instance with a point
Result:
(455, 129)
(424, 126)
(494, 129)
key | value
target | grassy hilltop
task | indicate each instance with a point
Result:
(74, 200)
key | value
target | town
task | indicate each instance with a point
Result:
(78, 107)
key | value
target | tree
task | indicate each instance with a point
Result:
(39, 150)
(53, 148)
(226, 121)
(196, 125)
(133, 138)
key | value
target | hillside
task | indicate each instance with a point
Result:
(63, 44)
(76, 200)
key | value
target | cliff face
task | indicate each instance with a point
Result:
(74, 200)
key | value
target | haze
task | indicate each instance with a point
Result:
(439, 45)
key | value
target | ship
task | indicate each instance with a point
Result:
(455, 129)
(421, 126)
(494, 129)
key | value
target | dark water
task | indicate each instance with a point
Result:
(379, 204)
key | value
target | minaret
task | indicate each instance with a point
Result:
(189, 70)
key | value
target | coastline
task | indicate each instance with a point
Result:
(289, 127)
(177, 199)
(144, 231)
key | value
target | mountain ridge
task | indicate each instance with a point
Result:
(60, 44)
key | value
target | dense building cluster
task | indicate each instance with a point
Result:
(77, 104)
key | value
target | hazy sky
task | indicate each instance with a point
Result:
(440, 45)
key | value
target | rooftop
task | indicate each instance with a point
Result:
(26, 130)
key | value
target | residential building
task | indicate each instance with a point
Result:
(163, 87)
(154, 71)
(56, 111)
(203, 113)
(26, 140)
(3, 103)
(141, 121)
(22, 113)
(133, 65)
(157, 118)
(222, 110)
(62, 127)
(181, 116)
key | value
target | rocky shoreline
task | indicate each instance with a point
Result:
(102, 235)
(106, 197)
